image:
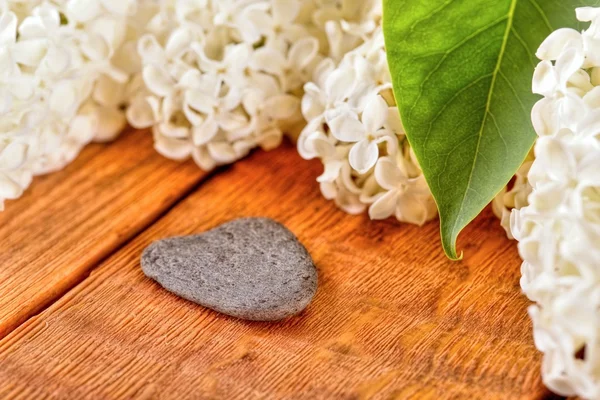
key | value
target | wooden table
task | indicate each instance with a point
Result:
(392, 319)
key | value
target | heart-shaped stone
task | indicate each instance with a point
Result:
(250, 268)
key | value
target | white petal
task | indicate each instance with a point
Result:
(385, 205)
(30, 52)
(13, 156)
(95, 47)
(363, 156)
(260, 87)
(268, 60)
(261, 20)
(253, 101)
(203, 159)
(394, 122)
(265, 83)
(110, 28)
(157, 80)
(545, 80)
(178, 43)
(111, 122)
(588, 170)
(6, 101)
(206, 132)
(83, 10)
(388, 175)
(285, 11)
(175, 149)
(249, 32)
(8, 188)
(347, 128)
(568, 63)
(108, 92)
(232, 121)
(547, 198)
(200, 101)
(375, 115)
(83, 127)
(312, 106)
(63, 99)
(329, 190)
(173, 131)
(322, 72)
(237, 56)
(232, 99)
(8, 28)
(149, 49)
(586, 14)
(571, 110)
(349, 202)
(544, 118)
(410, 209)
(590, 124)
(322, 145)
(335, 38)
(242, 147)
(222, 152)
(555, 43)
(33, 26)
(558, 162)
(592, 98)
(303, 52)
(194, 80)
(119, 7)
(270, 139)
(340, 84)
(194, 117)
(332, 171)
(140, 114)
(57, 59)
(305, 147)
(282, 107)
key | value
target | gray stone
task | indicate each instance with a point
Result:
(251, 268)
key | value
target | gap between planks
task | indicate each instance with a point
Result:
(393, 318)
(81, 278)
(68, 222)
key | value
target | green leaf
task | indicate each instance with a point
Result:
(462, 72)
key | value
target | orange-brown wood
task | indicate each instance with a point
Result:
(68, 221)
(392, 319)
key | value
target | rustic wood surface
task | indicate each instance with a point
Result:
(392, 319)
(69, 221)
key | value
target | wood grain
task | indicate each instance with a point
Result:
(392, 319)
(68, 221)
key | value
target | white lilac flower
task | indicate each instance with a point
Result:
(59, 86)
(515, 196)
(367, 132)
(347, 23)
(559, 231)
(223, 77)
(354, 128)
(407, 198)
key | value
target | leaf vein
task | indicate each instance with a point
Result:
(542, 13)
(499, 131)
(524, 44)
(512, 88)
(511, 13)
(446, 54)
(447, 103)
(433, 13)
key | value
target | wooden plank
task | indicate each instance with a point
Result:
(68, 221)
(392, 319)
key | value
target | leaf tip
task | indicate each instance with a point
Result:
(449, 245)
